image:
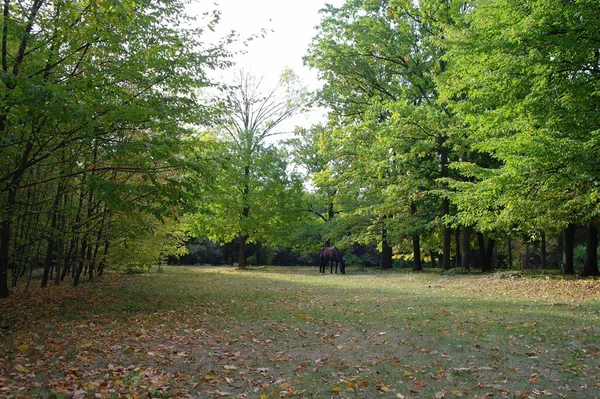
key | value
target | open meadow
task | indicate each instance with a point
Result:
(268, 332)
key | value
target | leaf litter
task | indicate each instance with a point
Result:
(278, 335)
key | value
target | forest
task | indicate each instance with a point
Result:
(459, 134)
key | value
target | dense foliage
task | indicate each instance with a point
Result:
(452, 125)
(94, 102)
(472, 120)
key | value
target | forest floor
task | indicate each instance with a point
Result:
(207, 332)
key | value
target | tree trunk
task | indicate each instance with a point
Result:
(568, 247)
(245, 214)
(590, 267)
(416, 239)
(489, 260)
(527, 255)
(560, 240)
(457, 245)
(443, 152)
(465, 260)
(543, 251)
(242, 252)
(4, 251)
(386, 251)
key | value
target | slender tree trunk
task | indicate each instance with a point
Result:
(245, 214)
(416, 240)
(465, 260)
(569, 246)
(50, 262)
(386, 250)
(81, 262)
(490, 258)
(4, 254)
(446, 260)
(457, 245)
(590, 267)
(104, 258)
(543, 251)
(560, 248)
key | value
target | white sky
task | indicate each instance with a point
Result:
(290, 25)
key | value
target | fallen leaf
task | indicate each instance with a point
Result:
(22, 368)
(336, 389)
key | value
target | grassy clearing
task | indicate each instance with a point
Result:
(289, 332)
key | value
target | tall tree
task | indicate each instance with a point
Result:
(378, 62)
(255, 198)
(524, 78)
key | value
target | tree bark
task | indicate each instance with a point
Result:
(568, 247)
(242, 252)
(416, 239)
(590, 267)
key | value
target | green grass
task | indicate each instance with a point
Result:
(289, 332)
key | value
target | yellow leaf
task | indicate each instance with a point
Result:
(230, 367)
(350, 384)
(385, 388)
(407, 374)
(456, 393)
(21, 368)
(263, 396)
(336, 389)
(23, 348)
(208, 377)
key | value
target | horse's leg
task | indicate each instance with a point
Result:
(336, 266)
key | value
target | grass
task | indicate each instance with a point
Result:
(289, 332)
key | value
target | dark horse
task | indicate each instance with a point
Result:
(331, 254)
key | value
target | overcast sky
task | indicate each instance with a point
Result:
(290, 27)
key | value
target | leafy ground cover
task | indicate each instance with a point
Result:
(288, 332)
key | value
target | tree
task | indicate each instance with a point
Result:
(95, 99)
(524, 79)
(378, 62)
(253, 199)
